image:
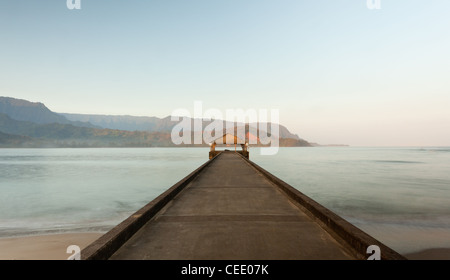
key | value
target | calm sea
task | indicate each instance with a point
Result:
(401, 196)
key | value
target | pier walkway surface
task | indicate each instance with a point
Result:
(232, 209)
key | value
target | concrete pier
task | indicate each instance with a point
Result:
(232, 209)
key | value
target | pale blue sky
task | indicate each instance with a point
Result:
(337, 71)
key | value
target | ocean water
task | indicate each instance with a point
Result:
(401, 196)
(70, 190)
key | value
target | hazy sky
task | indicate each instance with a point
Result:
(337, 71)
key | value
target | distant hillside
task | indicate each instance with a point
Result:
(10, 140)
(129, 123)
(132, 123)
(28, 124)
(289, 142)
(45, 131)
(67, 135)
(28, 134)
(23, 110)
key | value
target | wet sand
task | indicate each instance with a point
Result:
(430, 254)
(43, 247)
(413, 242)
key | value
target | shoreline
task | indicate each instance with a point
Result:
(44, 247)
(54, 246)
(430, 254)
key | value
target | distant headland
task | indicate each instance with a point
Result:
(25, 124)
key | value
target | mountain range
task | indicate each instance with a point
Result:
(132, 123)
(32, 124)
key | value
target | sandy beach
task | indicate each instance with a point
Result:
(430, 254)
(53, 247)
(43, 247)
